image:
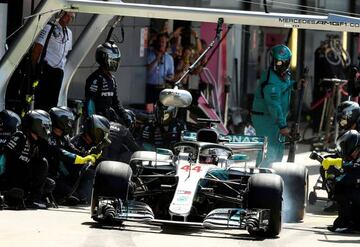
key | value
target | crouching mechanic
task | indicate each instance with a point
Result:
(271, 103)
(10, 123)
(26, 168)
(101, 88)
(93, 138)
(347, 187)
(65, 171)
(347, 117)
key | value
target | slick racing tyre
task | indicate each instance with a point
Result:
(112, 181)
(265, 191)
(296, 186)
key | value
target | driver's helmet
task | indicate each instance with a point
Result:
(108, 56)
(207, 159)
(347, 113)
(38, 122)
(164, 114)
(281, 56)
(347, 143)
(10, 122)
(97, 127)
(62, 118)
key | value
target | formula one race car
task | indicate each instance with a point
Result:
(207, 180)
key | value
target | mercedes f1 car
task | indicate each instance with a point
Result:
(207, 180)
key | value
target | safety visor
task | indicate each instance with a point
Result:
(113, 61)
(114, 56)
(68, 126)
(46, 130)
(280, 66)
(282, 63)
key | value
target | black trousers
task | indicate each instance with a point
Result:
(30, 178)
(348, 199)
(78, 184)
(47, 92)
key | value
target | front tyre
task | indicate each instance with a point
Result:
(265, 191)
(111, 180)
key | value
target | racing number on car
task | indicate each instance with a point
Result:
(195, 168)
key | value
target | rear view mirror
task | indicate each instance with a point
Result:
(175, 97)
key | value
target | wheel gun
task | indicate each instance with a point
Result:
(295, 127)
(315, 156)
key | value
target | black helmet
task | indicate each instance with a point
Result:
(9, 121)
(97, 127)
(164, 114)
(347, 143)
(281, 56)
(38, 122)
(62, 118)
(108, 56)
(132, 119)
(347, 113)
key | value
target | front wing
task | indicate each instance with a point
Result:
(112, 210)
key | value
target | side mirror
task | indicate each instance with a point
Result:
(175, 97)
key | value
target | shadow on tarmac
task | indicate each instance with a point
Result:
(72, 209)
(326, 232)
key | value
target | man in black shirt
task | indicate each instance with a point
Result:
(26, 168)
(91, 140)
(101, 89)
(10, 123)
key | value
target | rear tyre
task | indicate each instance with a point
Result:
(296, 186)
(265, 191)
(111, 180)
